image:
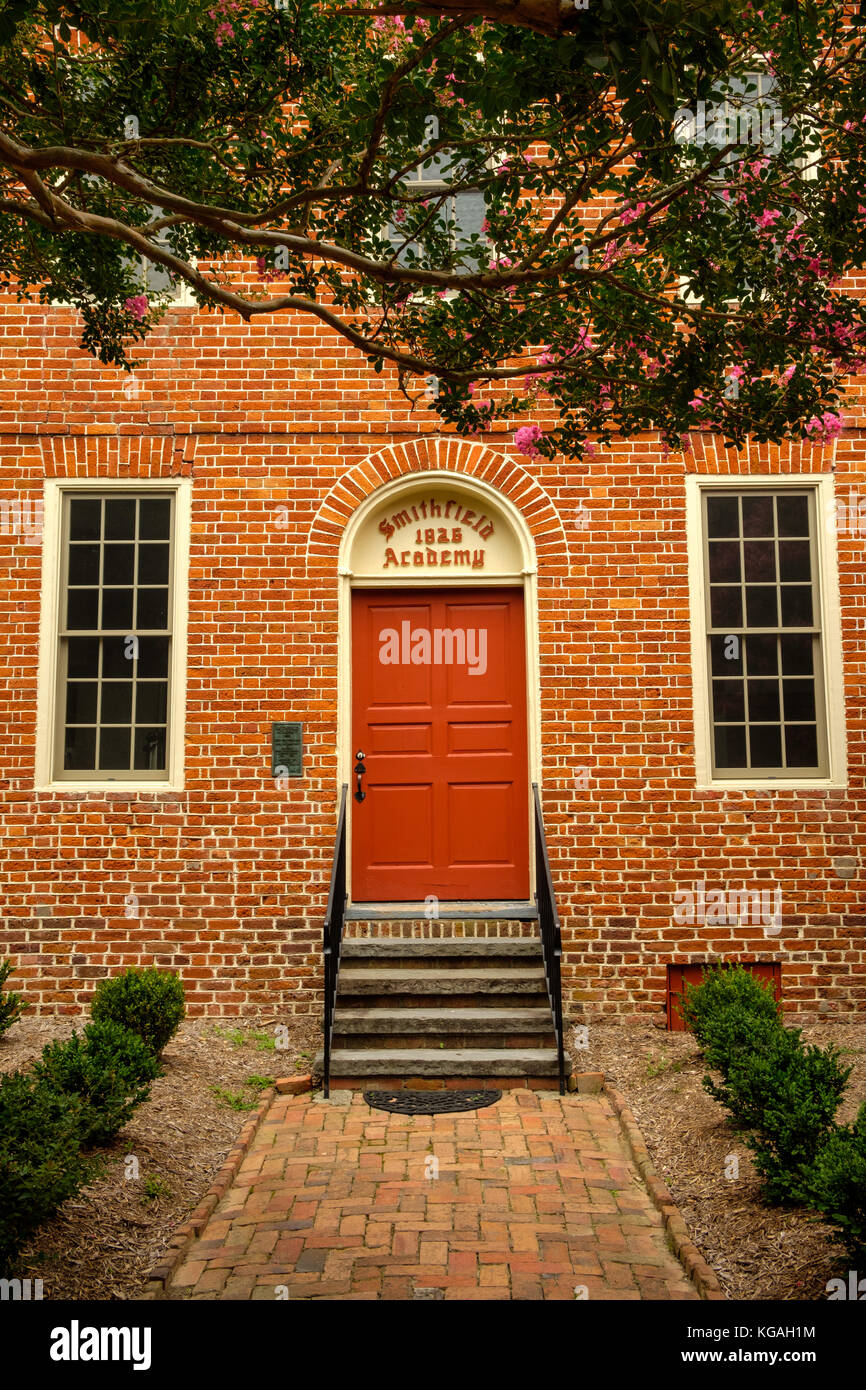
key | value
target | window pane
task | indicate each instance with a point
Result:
(724, 561)
(801, 745)
(84, 564)
(758, 516)
(764, 700)
(117, 659)
(151, 702)
(120, 519)
(730, 741)
(797, 605)
(81, 702)
(761, 658)
(114, 749)
(766, 745)
(761, 607)
(796, 656)
(153, 564)
(726, 608)
(84, 518)
(153, 656)
(153, 608)
(117, 608)
(83, 656)
(116, 702)
(82, 608)
(723, 516)
(119, 564)
(794, 560)
(729, 701)
(760, 560)
(799, 697)
(727, 655)
(150, 745)
(154, 518)
(793, 516)
(79, 749)
(470, 210)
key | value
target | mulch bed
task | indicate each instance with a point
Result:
(102, 1242)
(757, 1251)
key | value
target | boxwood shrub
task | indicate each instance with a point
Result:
(835, 1183)
(729, 1012)
(788, 1095)
(108, 1068)
(148, 1001)
(41, 1163)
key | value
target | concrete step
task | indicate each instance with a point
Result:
(448, 1062)
(358, 980)
(406, 948)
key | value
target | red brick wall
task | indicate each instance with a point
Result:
(283, 415)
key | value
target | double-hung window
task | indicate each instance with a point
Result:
(765, 632)
(459, 212)
(113, 634)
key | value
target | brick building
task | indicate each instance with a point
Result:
(214, 578)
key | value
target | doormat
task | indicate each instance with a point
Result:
(430, 1102)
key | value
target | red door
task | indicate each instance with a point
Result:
(439, 711)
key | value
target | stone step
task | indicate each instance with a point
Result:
(506, 910)
(435, 1021)
(410, 948)
(450, 1027)
(448, 1062)
(358, 980)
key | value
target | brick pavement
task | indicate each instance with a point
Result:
(534, 1197)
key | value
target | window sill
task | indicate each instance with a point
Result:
(102, 788)
(795, 784)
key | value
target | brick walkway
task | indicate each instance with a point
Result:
(535, 1197)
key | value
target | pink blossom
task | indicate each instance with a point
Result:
(767, 218)
(630, 214)
(527, 438)
(826, 427)
(138, 306)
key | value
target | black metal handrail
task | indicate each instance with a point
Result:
(333, 935)
(551, 938)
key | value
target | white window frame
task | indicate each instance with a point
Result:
(55, 490)
(831, 627)
(807, 165)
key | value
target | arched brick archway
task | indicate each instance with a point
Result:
(448, 455)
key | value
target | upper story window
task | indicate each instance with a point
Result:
(745, 113)
(460, 213)
(766, 649)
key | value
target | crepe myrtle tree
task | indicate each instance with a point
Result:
(661, 245)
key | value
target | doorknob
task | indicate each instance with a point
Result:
(360, 769)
